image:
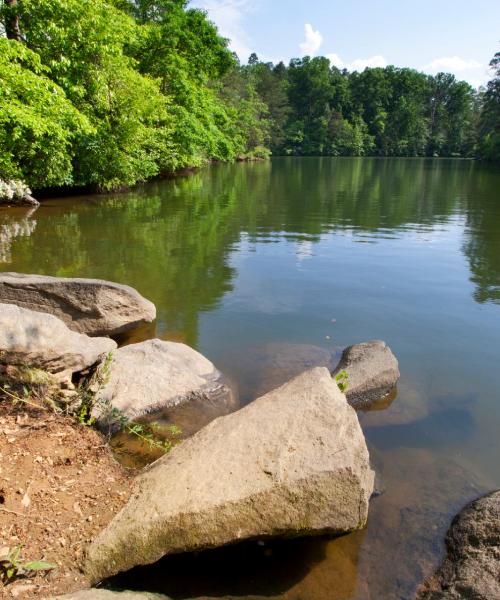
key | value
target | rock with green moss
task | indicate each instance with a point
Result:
(292, 463)
(372, 372)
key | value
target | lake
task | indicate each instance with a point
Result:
(258, 264)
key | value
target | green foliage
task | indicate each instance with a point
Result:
(259, 153)
(489, 125)
(12, 566)
(152, 434)
(113, 93)
(379, 111)
(39, 127)
(108, 93)
(342, 380)
(37, 389)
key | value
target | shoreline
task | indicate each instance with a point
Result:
(60, 484)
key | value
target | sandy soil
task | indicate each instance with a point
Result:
(59, 486)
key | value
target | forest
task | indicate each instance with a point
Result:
(106, 94)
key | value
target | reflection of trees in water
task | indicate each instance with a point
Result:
(365, 194)
(14, 224)
(482, 242)
(172, 240)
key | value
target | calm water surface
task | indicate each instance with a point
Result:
(262, 266)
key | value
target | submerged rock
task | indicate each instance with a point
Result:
(471, 568)
(292, 463)
(266, 367)
(372, 371)
(155, 376)
(90, 306)
(37, 340)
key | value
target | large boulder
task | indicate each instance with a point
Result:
(154, 377)
(372, 371)
(292, 463)
(471, 568)
(37, 340)
(90, 306)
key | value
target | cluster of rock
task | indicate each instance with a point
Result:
(13, 191)
(294, 462)
(57, 325)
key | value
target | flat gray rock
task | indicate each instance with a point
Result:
(90, 306)
(292, 463)
(152, 377)
(471, 568)
(38, 340)
(372, 371)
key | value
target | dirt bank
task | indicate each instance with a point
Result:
(59, 485)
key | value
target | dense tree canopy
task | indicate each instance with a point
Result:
(106, 93)
(489, 147)
(141, 78)
(389, 112)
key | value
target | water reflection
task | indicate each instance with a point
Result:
(268, 268)
(14, 223)
(173, 240)
(482, 245)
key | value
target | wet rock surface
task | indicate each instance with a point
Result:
(372, 371)
(292, 463)
(90, 306)
(471, 568)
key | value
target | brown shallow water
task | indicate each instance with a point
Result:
(267, 267)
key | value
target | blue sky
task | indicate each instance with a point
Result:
(430, 35)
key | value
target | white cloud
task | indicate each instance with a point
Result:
(312, 42)
(463, 68)
(451, 63)
(336, 61)
(359, 64)
(228, 15)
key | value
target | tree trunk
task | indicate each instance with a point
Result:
(12, 21)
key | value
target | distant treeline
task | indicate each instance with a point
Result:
(109, 93)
